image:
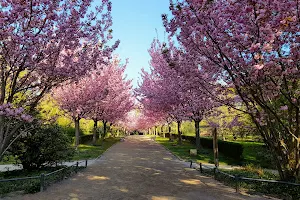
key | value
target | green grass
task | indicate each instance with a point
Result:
(89, 151)
(84, 151)
(204, 156)
(254, 153)
(282, 191)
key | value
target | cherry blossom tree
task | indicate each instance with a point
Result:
(174, 86)
(252, 56)
(80, 98)
(118, 101)
(44, 43)
(160, 90)
(103, 95)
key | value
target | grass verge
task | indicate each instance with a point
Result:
(249, 170)
(85, 151)
(32, 185)
(89, 151)
(204, 155)
(254, 153)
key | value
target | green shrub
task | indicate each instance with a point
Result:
(230, 149)
(42, 145)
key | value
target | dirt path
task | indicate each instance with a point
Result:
(137, 169)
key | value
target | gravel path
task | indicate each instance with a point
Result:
(137, 168)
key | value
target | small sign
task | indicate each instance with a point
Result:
(193, 152)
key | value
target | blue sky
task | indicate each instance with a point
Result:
(134, 23)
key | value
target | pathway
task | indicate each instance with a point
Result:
(137, 168)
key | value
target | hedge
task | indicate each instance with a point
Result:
(87, 138)
(230, 149)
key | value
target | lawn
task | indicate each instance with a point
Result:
(254, 153)
(89, 151)
(84, 151)
(204, 156)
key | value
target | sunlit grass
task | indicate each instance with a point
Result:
(254, 153)
(89, 151)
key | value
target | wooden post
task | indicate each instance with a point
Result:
(200, 168)
(215, 144)
(76, 170)
(86, 163)
(237, 184)
(42, 182)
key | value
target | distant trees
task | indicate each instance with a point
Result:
(174, 87)
(102, 95)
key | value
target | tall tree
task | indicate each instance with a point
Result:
(257, 54)
(44, 43)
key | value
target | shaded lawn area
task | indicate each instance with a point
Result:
(84, 151)
(89, 151)
(254, 153)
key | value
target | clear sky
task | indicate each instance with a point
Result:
(134, 23)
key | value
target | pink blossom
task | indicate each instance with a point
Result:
(285, 107)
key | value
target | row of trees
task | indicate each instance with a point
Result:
(247, 62)
(102, 95)
(46, 45)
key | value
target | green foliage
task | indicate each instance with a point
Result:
(42, 145)
(250, 171)
(253, 153)
(33, 185)
(204, 155)
(229, 149)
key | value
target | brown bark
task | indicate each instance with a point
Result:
(197, 133)
(77, 133)
(95, 132)
(179, 132)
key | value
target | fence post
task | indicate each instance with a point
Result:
(237, 184)
(200, 168)
(215, 173)
(76, 170)
(191, 164)
(62, 174)
(42, 182)
(86, 162)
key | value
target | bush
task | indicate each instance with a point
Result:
(42, 145)
(86, 139)
(230, 149)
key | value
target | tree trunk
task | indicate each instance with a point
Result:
(95, 132)
(104, 128)
(197, 132)
(162, 131)
(179, 132)
(77, 134)
(155, 132)
(215, 147)
(170, 132)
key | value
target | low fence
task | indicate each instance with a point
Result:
(289, 189)
(40, 183)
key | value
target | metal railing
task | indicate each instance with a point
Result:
(43, 177)
(238, 179)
